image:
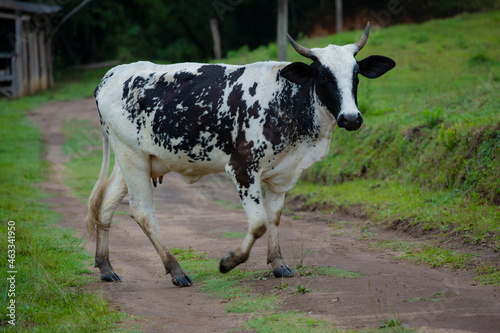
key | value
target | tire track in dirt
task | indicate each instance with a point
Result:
(189, 217)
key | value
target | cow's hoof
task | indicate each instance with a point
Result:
(183, 281)
(231, 261)
(222, 266)
(110, 277)
(283, 271)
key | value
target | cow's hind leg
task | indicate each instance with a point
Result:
(115, 190)
(136, 171)
(274, 205)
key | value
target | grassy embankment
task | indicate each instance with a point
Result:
(427, 157)
(50, 262)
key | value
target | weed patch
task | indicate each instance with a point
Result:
(337, 272)
(438, 257)
(440, 295)
(232, 234)
(290, 322)
(488, 274)
(229, 204)
(302, 289)
(393, 323)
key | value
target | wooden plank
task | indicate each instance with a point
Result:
(50, 78)
(17, 62)
(31, 65)
(24, 58)
(43, 61)
(34, 63)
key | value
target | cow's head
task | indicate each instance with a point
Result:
(335, 74)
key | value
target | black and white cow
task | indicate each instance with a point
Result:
(261, 123)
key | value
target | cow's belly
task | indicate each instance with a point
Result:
(187, 165)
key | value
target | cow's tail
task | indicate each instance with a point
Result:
(97, 195)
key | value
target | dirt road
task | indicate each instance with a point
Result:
(190, 216)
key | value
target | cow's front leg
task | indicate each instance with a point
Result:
(249, 189)
(274, 205)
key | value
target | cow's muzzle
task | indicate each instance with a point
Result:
(350, 121)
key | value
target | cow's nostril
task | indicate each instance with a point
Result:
(341, 121)
(359, 121)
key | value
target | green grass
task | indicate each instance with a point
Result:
(488, 275)
(439, 257)
(232, 234)
(229, 204)
(435, 256)
(396, 245)
(439, 296)
(50, 262)
(84, 152)
(337, 272)
(432, 255)
(290, 322)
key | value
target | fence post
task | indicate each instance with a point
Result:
(282, 28)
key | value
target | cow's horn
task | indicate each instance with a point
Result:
(362, 42)
(305, 52)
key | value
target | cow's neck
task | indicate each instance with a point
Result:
(325, 118)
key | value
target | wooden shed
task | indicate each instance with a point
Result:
(25, 47)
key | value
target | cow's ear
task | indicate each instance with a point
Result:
(297, 72)
(375, 66)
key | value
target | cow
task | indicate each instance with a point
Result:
(261, 123)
